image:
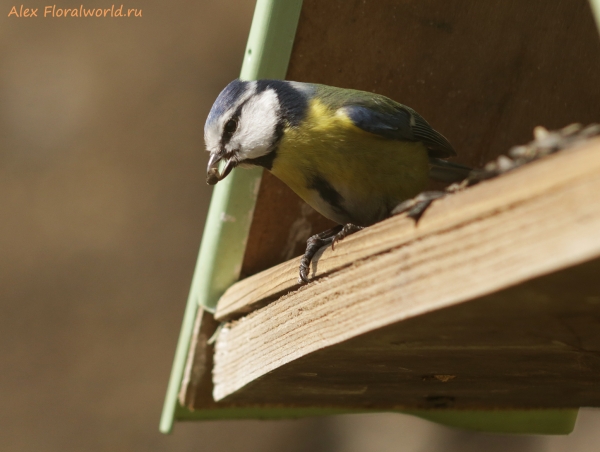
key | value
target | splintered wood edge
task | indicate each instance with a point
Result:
(487, 198)
(539, 219)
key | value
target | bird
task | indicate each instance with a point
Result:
(352, 155)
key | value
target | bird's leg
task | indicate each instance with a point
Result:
(418, 205)
(345, 232)
(313, 245)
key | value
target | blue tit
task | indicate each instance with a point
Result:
(351, 155)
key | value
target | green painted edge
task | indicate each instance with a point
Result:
(526, 422)
(273, 413)
(595, 5)
(229, 217)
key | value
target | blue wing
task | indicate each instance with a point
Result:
(399, 123)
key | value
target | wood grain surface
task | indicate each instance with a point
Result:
(536, 345)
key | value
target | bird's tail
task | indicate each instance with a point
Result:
(443, 171)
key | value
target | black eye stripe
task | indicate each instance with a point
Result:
(229, 131)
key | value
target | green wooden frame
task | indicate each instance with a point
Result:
(230, 214)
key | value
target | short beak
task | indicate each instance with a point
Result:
(212, 171)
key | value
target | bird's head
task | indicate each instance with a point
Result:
(247, 121)
(244, 124)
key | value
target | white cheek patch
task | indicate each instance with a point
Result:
(256, 126)
(213, 134)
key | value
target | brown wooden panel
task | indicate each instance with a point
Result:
(536, 345)
(483, 73)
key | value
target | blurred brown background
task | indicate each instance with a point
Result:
(102, 206)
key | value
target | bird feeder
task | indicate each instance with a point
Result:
(485, 314)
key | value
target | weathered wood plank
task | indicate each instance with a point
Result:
(538, 220)
(536, 345)
(539, 179)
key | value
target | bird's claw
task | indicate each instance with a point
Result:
(303, 271)
(345, 232)
(317, 241)
(314, 244)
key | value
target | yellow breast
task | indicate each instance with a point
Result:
(371, 174)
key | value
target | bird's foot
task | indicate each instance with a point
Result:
(317, 241)
(419, 204)
(345, 232)
(314, 244)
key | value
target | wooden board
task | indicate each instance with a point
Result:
(525, 333)
(482, 73)
(532, 346)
